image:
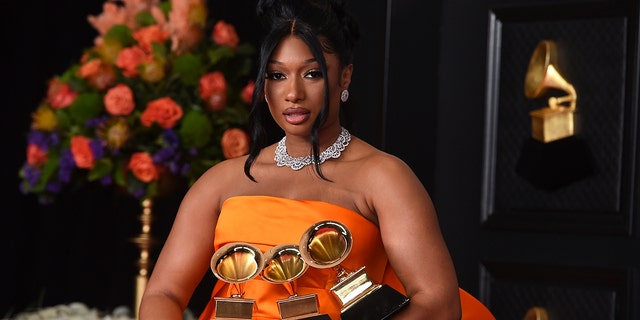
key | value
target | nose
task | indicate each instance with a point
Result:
(295, 90)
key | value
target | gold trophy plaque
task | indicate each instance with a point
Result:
(236, 263)
(283, 265)
(325, 245)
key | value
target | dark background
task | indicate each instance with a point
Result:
(77, 249)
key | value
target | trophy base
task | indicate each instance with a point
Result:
(379, 304)
(300, 307)
(234, 308)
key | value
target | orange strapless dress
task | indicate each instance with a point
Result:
(266, 221)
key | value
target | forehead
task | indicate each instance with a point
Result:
(292, 49)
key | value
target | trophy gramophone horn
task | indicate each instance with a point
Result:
(542, 75)
(325, 244)
(283, 264)
(237, 262)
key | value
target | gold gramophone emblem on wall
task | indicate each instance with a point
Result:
(555, 121)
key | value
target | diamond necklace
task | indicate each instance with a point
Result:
(334, 151)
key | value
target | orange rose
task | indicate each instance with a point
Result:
(247, 92)
(82, 153)
(142, 166)
(147, 35)
(235, 143)
(36, 156)
(99, 74)
(213, 90)
(224, 34)
(129, 59)
(59, 94)
(119, 100)
(163, 111)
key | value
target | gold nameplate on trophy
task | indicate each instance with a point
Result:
(236, 263)
(283, 265)
(326, 244)
(555, 121)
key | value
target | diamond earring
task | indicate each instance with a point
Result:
(344, 96)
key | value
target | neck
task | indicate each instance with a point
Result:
(300, 145)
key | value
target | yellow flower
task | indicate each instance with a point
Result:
(115, 132)
(44, 118)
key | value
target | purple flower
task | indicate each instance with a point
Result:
(31, 175)
(106, 180)
(96, 122)
(97, 148)
(66, 165)
(170, 138)
(43, 139)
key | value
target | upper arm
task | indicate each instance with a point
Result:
(411, 234)
(185, 256)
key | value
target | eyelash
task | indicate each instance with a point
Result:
(275, 75)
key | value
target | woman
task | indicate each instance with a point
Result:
(317, 172)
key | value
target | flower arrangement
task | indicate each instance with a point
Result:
(162, 91)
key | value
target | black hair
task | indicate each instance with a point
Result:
(325, 26)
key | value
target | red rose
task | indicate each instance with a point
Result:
(129, 59)
(142, 166)
(163, 111)
(247, 92)
(98, 73)
(235, 143)
(119, 100)
(36, 156)
(224, 34)
(82, 153)
(59, 94)
(213, 90)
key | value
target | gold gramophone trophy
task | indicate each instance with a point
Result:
(325, 245)
(555, 121)
(283, 265)
(236, 263)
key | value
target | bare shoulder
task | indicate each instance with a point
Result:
(221, 181)
(378, 164)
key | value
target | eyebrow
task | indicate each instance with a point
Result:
(279, 63)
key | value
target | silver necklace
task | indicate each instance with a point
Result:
(334, 151)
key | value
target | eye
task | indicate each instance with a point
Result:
(316, 73)
(275, 75)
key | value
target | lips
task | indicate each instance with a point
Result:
(296, 115)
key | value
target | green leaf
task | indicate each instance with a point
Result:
(86, 106)
(145, 19)
(196, 129)
(120, 33)
(159, 51)
(47, 172)
(188, 68)
(101, 169)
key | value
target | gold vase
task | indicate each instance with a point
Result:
(144, 241)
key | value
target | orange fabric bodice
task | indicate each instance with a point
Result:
(266, 221)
